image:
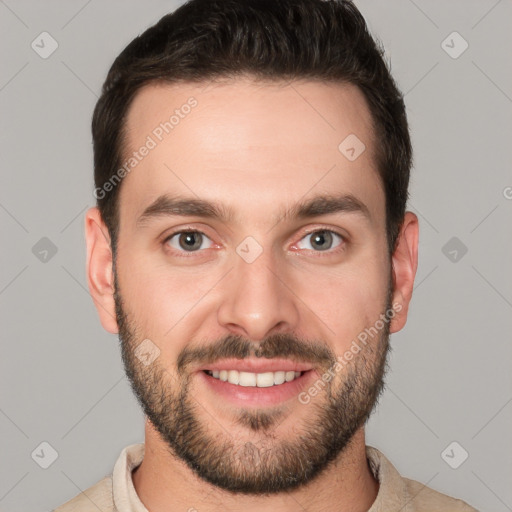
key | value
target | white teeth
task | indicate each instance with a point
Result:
(247, 379)
(233, 376)
(290, 376)
(265, 380)
(279, 377)
(260, 380)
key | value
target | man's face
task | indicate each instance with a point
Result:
(257, 295)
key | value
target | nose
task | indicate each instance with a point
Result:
(257, 300)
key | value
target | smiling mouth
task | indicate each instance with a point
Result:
(249, 379)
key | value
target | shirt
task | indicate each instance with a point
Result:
(116, 492)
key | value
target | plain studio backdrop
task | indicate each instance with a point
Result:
(446, 415)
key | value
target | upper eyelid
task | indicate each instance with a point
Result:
(181, 231)
(341, 235)
(166, 237)
(332, 230)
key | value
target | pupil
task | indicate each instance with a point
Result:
(187, 241)
(323, 238)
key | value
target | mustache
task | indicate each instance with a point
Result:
(275, 346)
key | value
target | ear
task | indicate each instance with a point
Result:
(404, 263)
(100, 276)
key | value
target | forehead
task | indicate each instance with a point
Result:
(248, 141)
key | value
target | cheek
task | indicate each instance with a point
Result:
(160, 297)
(349, 300)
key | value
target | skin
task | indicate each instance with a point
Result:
(258, 148)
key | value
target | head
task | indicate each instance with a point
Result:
(252, 161)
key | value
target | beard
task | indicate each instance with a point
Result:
(260, 462)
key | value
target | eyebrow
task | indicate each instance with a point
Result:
(169, 206)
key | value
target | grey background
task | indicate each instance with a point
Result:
(61, 376)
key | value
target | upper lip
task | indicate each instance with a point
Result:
(259, 365)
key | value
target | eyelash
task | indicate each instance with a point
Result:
(188, 254)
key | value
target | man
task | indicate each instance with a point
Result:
(252, 249)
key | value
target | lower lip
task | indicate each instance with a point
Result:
(254, 396)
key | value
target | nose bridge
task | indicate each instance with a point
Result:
(257, 301)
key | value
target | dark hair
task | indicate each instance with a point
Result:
(269, 40)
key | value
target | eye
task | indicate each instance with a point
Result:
(321, 240)
(188, 241)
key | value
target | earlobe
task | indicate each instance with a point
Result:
(405, 263)
(99, 269)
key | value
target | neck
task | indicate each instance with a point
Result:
(163, 480)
